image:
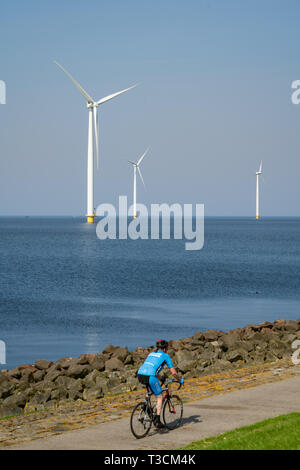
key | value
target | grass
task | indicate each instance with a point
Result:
(280, 433)
(24, 414)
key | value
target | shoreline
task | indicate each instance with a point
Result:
(31, 387)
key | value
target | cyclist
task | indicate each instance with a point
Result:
(149, 371)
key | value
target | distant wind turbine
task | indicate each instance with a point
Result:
(136, 166)
(258, 173)
(92, 106)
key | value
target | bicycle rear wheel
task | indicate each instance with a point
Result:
(140, 421)
(173, 412)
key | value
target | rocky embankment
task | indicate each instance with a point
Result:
(92, 376)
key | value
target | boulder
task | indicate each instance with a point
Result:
(39, 375)
(17, 399)
(212, 335)
(228, 341)
(42, 364)
(93, 393)
(7, 386)
(234, 356)
(40, 397)
(9, 410)
(291, 326)
(114, 364)
(199, 336)
(129, 360)
(85, 359)
(79, 371)
(110, 349)
(59, 393)
(98, 362)
(185, 360)
(52, 374)
(121, 354)
(64, 363)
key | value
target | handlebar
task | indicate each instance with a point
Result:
(168, 381)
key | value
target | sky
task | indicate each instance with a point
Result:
(214, 98)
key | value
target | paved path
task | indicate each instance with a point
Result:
(203, 418)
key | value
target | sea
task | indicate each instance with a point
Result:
(64, 292)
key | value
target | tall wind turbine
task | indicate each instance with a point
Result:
(92, 106)
(258, 173)
(136, 166)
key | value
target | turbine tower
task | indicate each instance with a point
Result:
(136, 166)
(258, 173)
(92, 106)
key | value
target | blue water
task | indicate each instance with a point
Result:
(64, 292)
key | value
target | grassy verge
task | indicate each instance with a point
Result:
(280, 433)
(24, 414)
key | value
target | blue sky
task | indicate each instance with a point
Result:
(214, 99)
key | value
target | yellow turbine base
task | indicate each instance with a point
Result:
(134, 216)
(90, 219)
(257, 217)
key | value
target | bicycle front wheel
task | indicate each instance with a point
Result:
(140, 421)
(173, 412)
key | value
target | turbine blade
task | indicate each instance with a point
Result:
(141, 158)
(96, 134)
(110, 97)
(260, 167)
(132, 162)
(141, 176)
(82, 91)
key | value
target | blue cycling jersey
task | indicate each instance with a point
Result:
(154, 363)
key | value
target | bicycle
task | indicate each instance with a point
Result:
(144, 412)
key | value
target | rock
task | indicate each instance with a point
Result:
(52, 374)
(98, 362)
(121, 354)
(7, 386)
(40, 397)
(14, 373)
(185, 361)
(9, 410)
(85, 359)
(39, 375)
(64, 363)
(92, 378)
(234, 356)
(291, 326)
(79, 371)
(93, 393)
(18, 399)
(175, 344)
(211, 335)
(110, 349)
(42, 364)
(266, 325)
(199, 336)
(59, 393)
(228, 341)
(27, 375)
(114, 364)
(129, 360)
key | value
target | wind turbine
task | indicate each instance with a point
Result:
(92, 106)
(136, 166)
(258, 173)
